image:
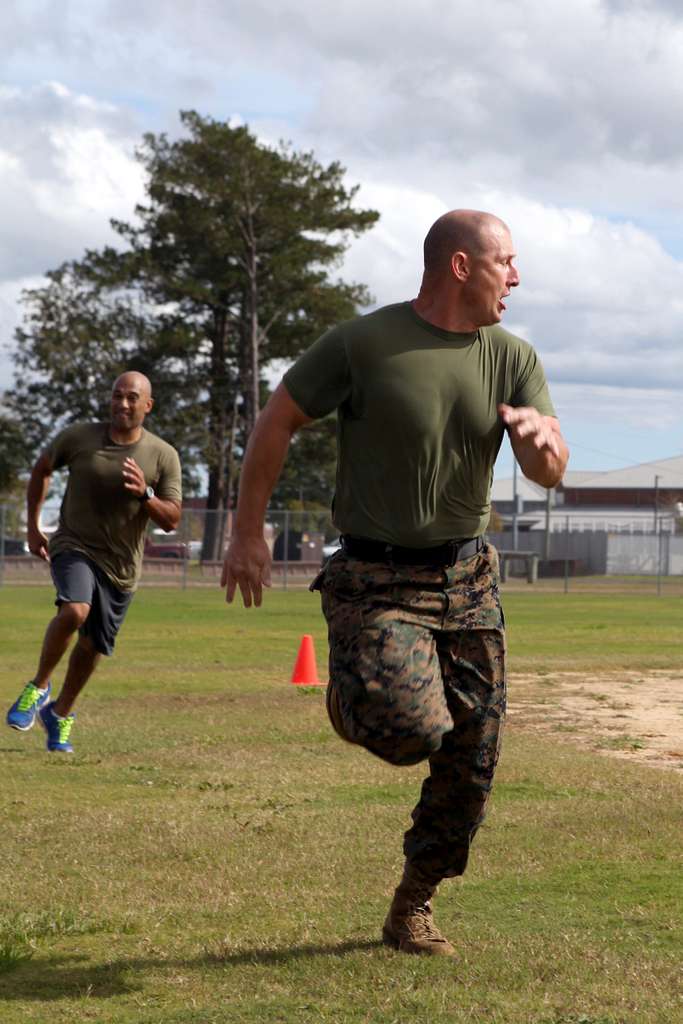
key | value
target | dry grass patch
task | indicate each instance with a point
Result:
(634, 715)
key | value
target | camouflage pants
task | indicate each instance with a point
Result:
(417, 657)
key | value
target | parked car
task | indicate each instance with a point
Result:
(166, 549)
(13, 546)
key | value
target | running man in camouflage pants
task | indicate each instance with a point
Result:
(417, 670)
(424, 391)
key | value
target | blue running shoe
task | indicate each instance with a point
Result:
(57, 729)
(22, 714)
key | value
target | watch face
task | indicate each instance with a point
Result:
(149, 493)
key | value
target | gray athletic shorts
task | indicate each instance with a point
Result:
(80, 581)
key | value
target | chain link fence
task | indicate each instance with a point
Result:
(562, 560)
(192, 556)
(596, 561)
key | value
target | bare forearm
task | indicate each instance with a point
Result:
(541, 465)
(36, 492)
(247, 560)
(165, 514)
(537, 443)
(542, 468)
(264, 459)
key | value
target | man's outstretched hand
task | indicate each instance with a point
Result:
(527, 422)
(246, 565)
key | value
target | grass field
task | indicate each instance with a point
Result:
(212, 853)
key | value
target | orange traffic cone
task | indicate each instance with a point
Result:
(305, 671)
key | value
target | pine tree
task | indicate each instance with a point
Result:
(226, 267)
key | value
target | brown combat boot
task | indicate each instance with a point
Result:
(334, 711)
(410, 926)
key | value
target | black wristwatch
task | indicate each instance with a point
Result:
(149, 493)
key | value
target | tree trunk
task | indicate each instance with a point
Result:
(250, 309)
(230, 486)
(218, 427)
(254, 375)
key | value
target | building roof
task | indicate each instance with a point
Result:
(575, 477)
(667, 472)
(502, 490)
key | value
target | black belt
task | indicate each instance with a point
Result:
(444, 554)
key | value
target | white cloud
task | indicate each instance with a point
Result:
(602, 302)
(98, 177)
(639, 408)
(574, 103)
(66, 167)
(10, 315)
(388, 258)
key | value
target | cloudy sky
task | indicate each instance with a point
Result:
(563, 118)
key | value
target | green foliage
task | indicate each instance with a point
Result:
(227, 266)
(308, 478)
(78, 335)
(12, 514)
(13, 455)
(495, 522)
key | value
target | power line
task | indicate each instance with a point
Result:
(596, 451)
(626, 462)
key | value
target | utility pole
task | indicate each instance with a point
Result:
(514, 503)
(548, 505)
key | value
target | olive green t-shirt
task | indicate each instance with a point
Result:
(98, 515)
(417, 423)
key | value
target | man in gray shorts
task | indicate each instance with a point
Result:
(120, 477)
(424, 391)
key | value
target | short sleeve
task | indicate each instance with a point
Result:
(61, 448)
(169, 486)
(531, 387)
(320, 379)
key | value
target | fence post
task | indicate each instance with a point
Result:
(185, 549)
(548, 504)
(286, 550)
(515, 510)
(2, 544)
(659, 558)
(566, 556)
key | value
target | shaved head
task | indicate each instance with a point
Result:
(131, 401)
(131, 380)
(458, 231)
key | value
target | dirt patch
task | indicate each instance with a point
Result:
(629, 715)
